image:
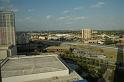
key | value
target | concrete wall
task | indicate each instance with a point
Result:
(7, 52)
(3, 54)
(12, 51)
(31, 77)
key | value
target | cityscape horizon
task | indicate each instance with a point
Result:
(61, 41)
(66, 15)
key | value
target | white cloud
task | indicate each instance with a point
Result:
(48, 16)
(73, 9)
(28, 18)
(79, 18)
(12, 8)
(30, 10)
(78, 8)
(15, 10)
(5, 1)
(71, 18)
(6, 4)
(62, 18)
(2, 8)
(68, 23)
(66, 11)
(98, 5)
(9, 7)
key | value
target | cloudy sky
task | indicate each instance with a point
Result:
(66, 14)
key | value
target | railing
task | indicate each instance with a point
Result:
(1, 64)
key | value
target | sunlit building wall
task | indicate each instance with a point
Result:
(86, 34)
(7, 28)
(7, 34)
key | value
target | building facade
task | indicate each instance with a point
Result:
(7, 28)
(86, 34)
(7, 33)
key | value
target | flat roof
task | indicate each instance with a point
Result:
(6, 11)
(19, 66)
(58, 47)
(73, 76)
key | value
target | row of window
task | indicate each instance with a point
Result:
(6, 24)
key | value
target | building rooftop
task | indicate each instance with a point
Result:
(6, 11)
(41, 68)
(58, 47)
(73, 76)
(31, 65)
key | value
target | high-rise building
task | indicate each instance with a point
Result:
(7, 34)
(86, 34)
(7, 28)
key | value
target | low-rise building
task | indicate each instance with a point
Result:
(58, 48)
(22, 38)
(91, 41)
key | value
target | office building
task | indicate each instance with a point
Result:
(7, 33)
(86, 34)
(7, 28)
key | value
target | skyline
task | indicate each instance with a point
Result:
(35, 15)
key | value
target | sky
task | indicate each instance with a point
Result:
(40, 15)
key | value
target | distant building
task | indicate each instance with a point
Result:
(86, 34)
(58, 48)
(38, 36)
(52, 37)
(7, 32)
(91, 42)
(22, 38)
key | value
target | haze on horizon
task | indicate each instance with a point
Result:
(35, 15)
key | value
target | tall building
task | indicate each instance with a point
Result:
(86, 34)
(7, 28)
(7, 34)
